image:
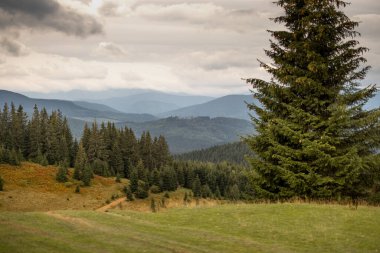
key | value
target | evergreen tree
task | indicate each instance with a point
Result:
(129, 194)
(116, 159)
(233, 192)
(34, 130)
(197, 187)
(142, 190)
(134, 180)
(14, 157)
(5, 135)
(80, 162)
(314, 139)
(61, 173)
(218, 195)
(146, 150)
(155, 178)
(87, 175)
(142, 172)
(44, 128)
(169, 180)
(206, 191)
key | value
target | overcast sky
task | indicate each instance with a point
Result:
(198, 47)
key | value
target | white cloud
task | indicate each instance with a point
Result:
(109, 50)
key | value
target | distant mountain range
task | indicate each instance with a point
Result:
(152, 102)
(129, 100)
(232, 106)
(76, 110)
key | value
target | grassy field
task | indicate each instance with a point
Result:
(37, 214)
(223, 228)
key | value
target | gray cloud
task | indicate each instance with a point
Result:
(46, 14)
(12, 47)
(108, 9)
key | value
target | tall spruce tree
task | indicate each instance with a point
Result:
(80, 162)
(314, 139)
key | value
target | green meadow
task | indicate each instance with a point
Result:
(223, 228)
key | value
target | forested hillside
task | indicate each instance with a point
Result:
(232, 153)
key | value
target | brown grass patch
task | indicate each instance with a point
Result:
(32, 187)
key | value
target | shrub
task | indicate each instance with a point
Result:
(77, 189)
(155, 189)
(129, 194)
(68, 184)
(142, 191)
(61, 174)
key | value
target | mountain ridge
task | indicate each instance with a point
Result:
(69, 108)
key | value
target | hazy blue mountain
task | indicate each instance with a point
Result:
(150, 106)
(152, 102)
(95, 106)
(70, 109)
(232, 106)
(185, 135)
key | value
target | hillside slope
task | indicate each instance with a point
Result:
(32, 187)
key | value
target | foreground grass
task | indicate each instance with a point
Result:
(225, 228)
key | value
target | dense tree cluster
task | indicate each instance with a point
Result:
(207, 180)
(116, 152)
(231, 152)
(315, 139)
(44, 139)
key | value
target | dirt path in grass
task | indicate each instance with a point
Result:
(111, 205)
(69, 219)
